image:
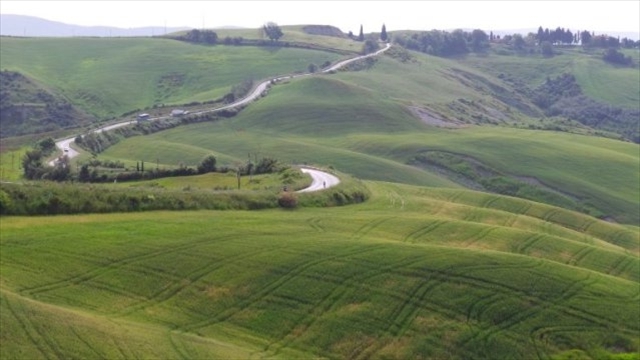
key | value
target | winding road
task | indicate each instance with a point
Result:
(321, 180)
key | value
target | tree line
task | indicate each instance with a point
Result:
(585, 38)
(210, 37)
(443, 43)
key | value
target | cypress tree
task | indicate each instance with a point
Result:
(383, 33)
(361, 36)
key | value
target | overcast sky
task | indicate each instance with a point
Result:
(599, 16)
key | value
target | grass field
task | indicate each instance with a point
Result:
(364, 134)
(415, 272)
(294, 34)
(145, 72)
(604, 82)
(423, 269)
(11, 164)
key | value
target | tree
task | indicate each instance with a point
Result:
(207, 165)
(273, 31)
(209, 37)
(361, 35)
(383, 33)
(84, 175)
(47, 145)
(518, 41)
(585, 38)
(193, 36)
(615, 57)
(370, 46)
(547, 48)
(32, 164)
(61, 170)
(479, 40)
(540, 36)
(313, 68)
(568, 37)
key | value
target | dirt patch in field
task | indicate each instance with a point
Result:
(430, 118)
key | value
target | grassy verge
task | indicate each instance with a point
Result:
(219, 191)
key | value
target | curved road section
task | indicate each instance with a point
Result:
(321, 180)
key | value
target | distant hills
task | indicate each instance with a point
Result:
(20, 25)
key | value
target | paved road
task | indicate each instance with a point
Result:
(348, 61)
(321, 180)
(64, 144)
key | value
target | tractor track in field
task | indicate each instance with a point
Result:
(580, 255)
(480, 236)
(620, 266)
(35, 333)
(419, 233)
(509, 290)
(316, 224)
(117, 264)
(517, 317)
(86, 343)
(343, 286)
(273, 286)
(191, 278)
(370, 226)
(527, 243)
(29, 329)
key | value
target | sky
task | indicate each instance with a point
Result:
(598, 16)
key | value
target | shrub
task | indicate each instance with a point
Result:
(615, 57)
(5, 203)
(288, 200)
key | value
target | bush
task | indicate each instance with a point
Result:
(5, 203)
(207, 165)
(288, 200)
(616, 57)
(546, 48)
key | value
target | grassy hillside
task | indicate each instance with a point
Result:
(27, 107)
(415, 272)
(110, 76)
(423, 269)
(298, 34)
(330, 121)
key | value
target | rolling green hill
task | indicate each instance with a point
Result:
(108, 77)
(415, 272)
(329, 121)
(27, 107)
(424, 269)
